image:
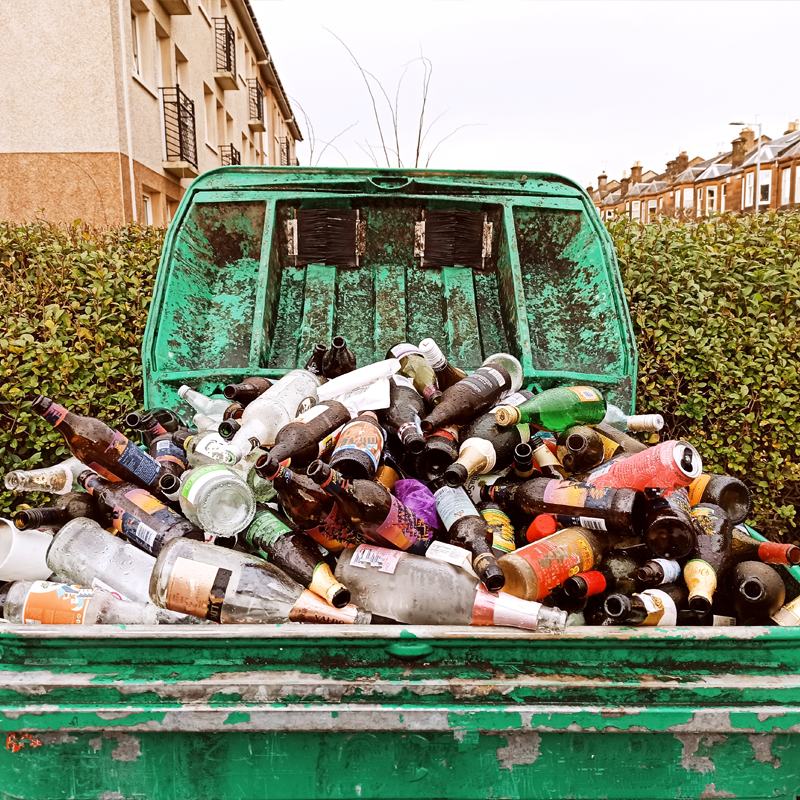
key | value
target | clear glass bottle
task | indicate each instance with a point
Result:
(617, 418)
(210, 406)
(58, 479)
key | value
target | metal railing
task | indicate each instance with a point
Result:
(225, 45)
(256, 95)
(286, 158)
(230, 155)
(179, 128)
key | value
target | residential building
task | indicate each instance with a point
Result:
(699, 187)
(109, 108)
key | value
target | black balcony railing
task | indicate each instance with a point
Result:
(286, 157)
(256, 94)
(179, 129)
(225, 45)
(230, 155)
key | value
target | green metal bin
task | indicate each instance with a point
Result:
(259, 264)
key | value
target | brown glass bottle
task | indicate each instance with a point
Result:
(169, 455)
(523, 461)
(142, 518)
(747, 548)
(580, 448)
(100, 447)
(710, 557)
(406, 408)
(468, 529)
(373, 511)
(615, 574)
(724, 491)
(658, 571)
(314, 363)
(548, 463)
(441, 450)
(314, 511)
(618, 511)
(247, 391)
(301, 440)
(339, 360)
(469, 398)
(446, 374)
(627, 444)
(358, 450)
(155, 422)
(756, 590)
(659, 607)
(670, 533)
(296, 553)
(68, 506)
(500, 526)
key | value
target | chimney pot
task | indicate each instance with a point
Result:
(602, 179)
(738, 151)
(681, 162)
(793, 127)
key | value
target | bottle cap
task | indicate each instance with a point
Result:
(433, 355)
(23, 553)
(542, 526)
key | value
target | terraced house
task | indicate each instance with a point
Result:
(108, 108)
(740, 180)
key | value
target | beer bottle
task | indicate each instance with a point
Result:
(212, 407)
(469, 398)
(650, 607)
(724, 491)
(618, 511)
(170, 456)
(557, 409)
(616, 574)
(658, 571)
(441, 450)
(503, 439)
(501, 528)
(670, 533)
(248, 390)
(154, 422)
(143, 519)
(446, 374)
(101, 448)
(373, 511)
(710, 556)
(402, 418)
(533, 571)
(307, 438)
(314, 363)
(756, 590)
(475, 457)
(618, 419)
(67, 507)
(581, 448)
(298, 555)
(314, 511)
(468, 529)
(747, 548)
(339, 360)
(359, 447)
(414, 367)
(548, 463)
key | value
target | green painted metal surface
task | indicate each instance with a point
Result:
(229, 301)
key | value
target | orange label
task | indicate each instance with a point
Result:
(696, 489)
(585, 393)
(197, 589)
(312, 608)
(565, 493)
(557, 558)
(144, 500)
(56, 604)
(609, 447)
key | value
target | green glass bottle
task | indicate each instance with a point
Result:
(556, 409)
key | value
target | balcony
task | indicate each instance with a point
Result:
(256, 102)
(286, 157)
(179, 133)
(230, 155)
(177, 7)
(225, 40)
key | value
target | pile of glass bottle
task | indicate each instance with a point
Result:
(404, 491)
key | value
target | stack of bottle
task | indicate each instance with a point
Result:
(404, 491)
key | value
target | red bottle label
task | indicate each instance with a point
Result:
(403, 529)
(595, 582)
(555, 559)
(333, 534)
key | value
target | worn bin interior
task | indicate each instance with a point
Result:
(258, 265)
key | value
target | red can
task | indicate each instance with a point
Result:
(666, 466)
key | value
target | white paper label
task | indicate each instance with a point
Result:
(372, 397)
(655, 601)
(368, 555)
(593, 524)
(672, 569)
(719, 621)
(405, 349)
(98, 584)
(511, 399)
(453, 504)
(195, 484)
(401, 380)
(450, 554)
(313, 412)
(474, 484)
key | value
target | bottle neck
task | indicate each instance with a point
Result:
(31, 518)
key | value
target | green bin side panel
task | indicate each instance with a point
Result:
(229, 302)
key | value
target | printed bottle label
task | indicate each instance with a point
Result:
(501, 528)
(503, 609)
(55, 414)
(511, 399)
(450, 554)
(166, 450)
(360, 435)
(134, 529)
(484, 381)
(56, 604)
(333, 533)
(369, 555)
(145, 501)
(135, 460)
(403, 349)
(312, 413)
(610, 447)
(449, 432)
(660, 607)
(717, 620)
(402, 380)
(265, 530)
(696, 489)
(672, 570)
(98, 584)
(575, 495)
(201, 477)
(412, 425)
(197, 589)
(476, 482)
(557, 558)
(584, 393)
(452, 504)
(310, 608)
(404, 530)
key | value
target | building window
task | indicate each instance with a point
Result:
(147, 204)
(786, 186)
(700, 200)
(711, 199)
(748, 191)
(723, 198)
(211, 116)
(677, 196)
(651, 209)
(636, 210)
(688, 197)
(135, 42)
(765, 179)
(797, 184)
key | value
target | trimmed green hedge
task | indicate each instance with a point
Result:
(712, 302)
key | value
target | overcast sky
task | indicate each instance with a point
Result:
(567, 87)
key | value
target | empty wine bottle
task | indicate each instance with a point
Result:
(747, 548)
(581, 448)
(359, 447)
(142, 518)
(45, 603)
(402, 418)
(305, 439)
(618, 419)
(314, 363)
(670, 533)
(756, 590)
(67, 507)
(414, 367)
(557, 409)
(548, 463)
(446, 374)
(650, 607)
(58, 479)
(100, 447)
(615, 575)
(618, 511)
(658, 571)
(247, 390)
(297, 554)
(371, 510)
(501, 528)
(710, 556)
(314, 511)
(441, 450)
(339, 360)
(423, 591)
(475, 457)
(533, 571)
(229, 587)
(469, 398)
(468, 529)
(724, 491)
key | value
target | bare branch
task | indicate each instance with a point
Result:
(425, 136)
(467, 125)
(327, 145)
(330, 143)
(368, 152)
(312, 139)
(426, 81)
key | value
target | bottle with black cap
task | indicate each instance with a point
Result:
(659, 607)
(339, 360)
(247, 391)
(402, 417)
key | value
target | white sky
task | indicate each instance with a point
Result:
(567, 87)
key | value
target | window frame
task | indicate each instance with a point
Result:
(764, 184)
(136, 41)
(711, 194)
(749, 189)
(147, 208)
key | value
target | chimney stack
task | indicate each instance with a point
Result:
(793, 127)
(602, 180)
(681, 162)
(624, 182)
(737, 152)
(671, 171)
(636, 173)
(749, 139)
